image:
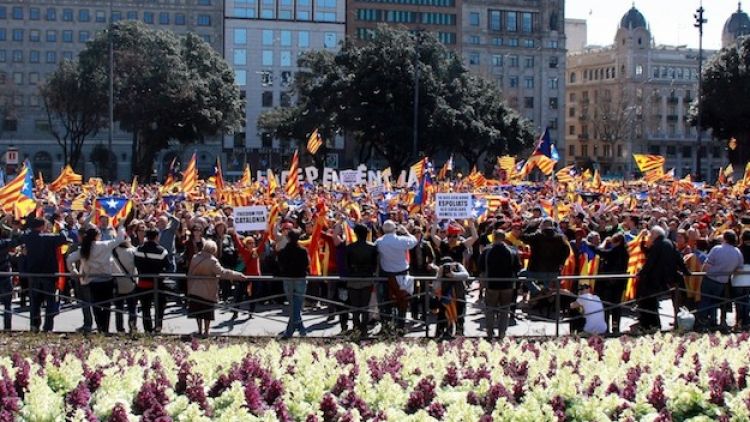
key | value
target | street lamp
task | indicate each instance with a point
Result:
(111, 89)
(699, 21)
(415, 140)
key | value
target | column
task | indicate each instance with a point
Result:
(680, 114)
(663, 114)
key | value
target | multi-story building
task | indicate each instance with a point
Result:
(633, 97)
(576, 34)
(736, 26)
(262, 43)
(35, 35)
(440, 17)
(521, 46)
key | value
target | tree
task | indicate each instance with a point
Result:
(8, 91)
(367, 91)
(165, 88)
(73, 102)
(725, 104)
(613, 116)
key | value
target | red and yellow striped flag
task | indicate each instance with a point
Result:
(636, 259)
(190, 177)
(647, 163)
(247, 178)
(545, 164)
(314, 142)
(272, 183)
(564, 175)
(67, 177)
(292, 182)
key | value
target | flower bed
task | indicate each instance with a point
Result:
(650, 378)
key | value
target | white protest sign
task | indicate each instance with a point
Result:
(349, 178)
(453, 205)
(252, 218)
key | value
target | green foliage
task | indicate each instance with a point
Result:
(725, 103)
(165, 88)
(367, 91)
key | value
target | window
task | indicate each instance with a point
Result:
(51, 36)
(325, 16)
(116, 16)
(529, 62)
(34, 14)
(34, 56)
(511, 21)
(474, 39)
(163, 18)
(571, 112)
(240, 36)
(497, 59)
(474, 19)
(84, 15)
(266, 13)
(240, 77)
(584, 150)
(18, 56)
(179, 19)
(267, 58)
(18, 34)
(204, 20)
(286, 78)
(148, 17)
(67, 15)
(687, 152)
(99, 16)
(2, 12)
(204, 2)
(512, 42)
(497, 41)
(51, 57)
(17, 78)
(3, 57)
(572, 97)
(303, 39)
(513, 81)
(552, 83)
(474, 58)
(206, 38)
(33, 78)
(286, 58)
(572, 148)
(267, 99)
(303, 15)
(240, 57)
(285, 100)
(571, 131)
(638, 70)
(286, 38)
(34, 35)
(18, 13)
(553, 62)
(529, 82)
(527, 22)
(572, 78)
(528, 43)
(3, 34)
(267, 37)
(495, 20)
(513, 60)
(83, 36)
(553, 103)
(552, 124)
(528, 102)
(552, 44)
(329, 40)
(67, 55)
(266, 78)
(285, 14)
(619, 151)
(133, 15)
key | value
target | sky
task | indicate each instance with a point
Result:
(671, 21)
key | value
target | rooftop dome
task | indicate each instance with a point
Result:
(633, 19)
(738, 24)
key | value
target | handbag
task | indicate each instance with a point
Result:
(125, 285)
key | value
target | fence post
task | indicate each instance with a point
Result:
(557, 307)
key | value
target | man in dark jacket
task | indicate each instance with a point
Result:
(421, 260)
(361, 258)
(499, 261)
(657, 275)
(294, 264)
(614, 260)
(549, 250)
(151, 258)
(6, 282)
(41, 259)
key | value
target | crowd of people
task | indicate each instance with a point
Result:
(191, 252)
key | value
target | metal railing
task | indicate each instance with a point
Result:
(425, 293)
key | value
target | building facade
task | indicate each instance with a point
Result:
(736, 26)
(440, 17)
(35, 35)
(520, 45)
(576, 35)
(263, 40)
(633, 97)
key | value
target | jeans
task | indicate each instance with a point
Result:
(498, 302)
(712, 293)
(743, 306)
(102, 293)
(6, 299)
(146, 299)
(43, 291)
(295, 291)
(359, 300)
(120, 304)
(83, 293)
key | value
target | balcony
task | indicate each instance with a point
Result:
(583, 137)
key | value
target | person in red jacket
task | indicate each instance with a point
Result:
(249, 253)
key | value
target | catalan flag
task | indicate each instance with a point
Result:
(134, 185)
(67, 177)
(477, 179)
(247, 178)
(422, 195)
(292, 182)
(190, 177)
(313, 247)
(11, 192)
(419, 168)
(647, 163)
(545, 156)
(566, 174)
(219, 179)
(26, 202)
(636, 259)
(314, 142)
(653, 176)
(448, 166)
(272, 183)
(507, 163)
(588, 262)
(171, 181)
(116, 208)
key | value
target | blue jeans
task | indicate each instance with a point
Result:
(295, 291)
(43, 295)
(743, 305)
(712, 293)
(6, 299)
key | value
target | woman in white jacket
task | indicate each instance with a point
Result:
(94, 265)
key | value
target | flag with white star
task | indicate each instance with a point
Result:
(116, 208)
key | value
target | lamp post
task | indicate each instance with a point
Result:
(699, 21)
(415, 139)
(111, 89)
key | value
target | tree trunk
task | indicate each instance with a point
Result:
(144, 156)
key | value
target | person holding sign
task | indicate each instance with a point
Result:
(250, 255)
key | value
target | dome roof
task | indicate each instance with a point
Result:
(633, 19)
(738, 24)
